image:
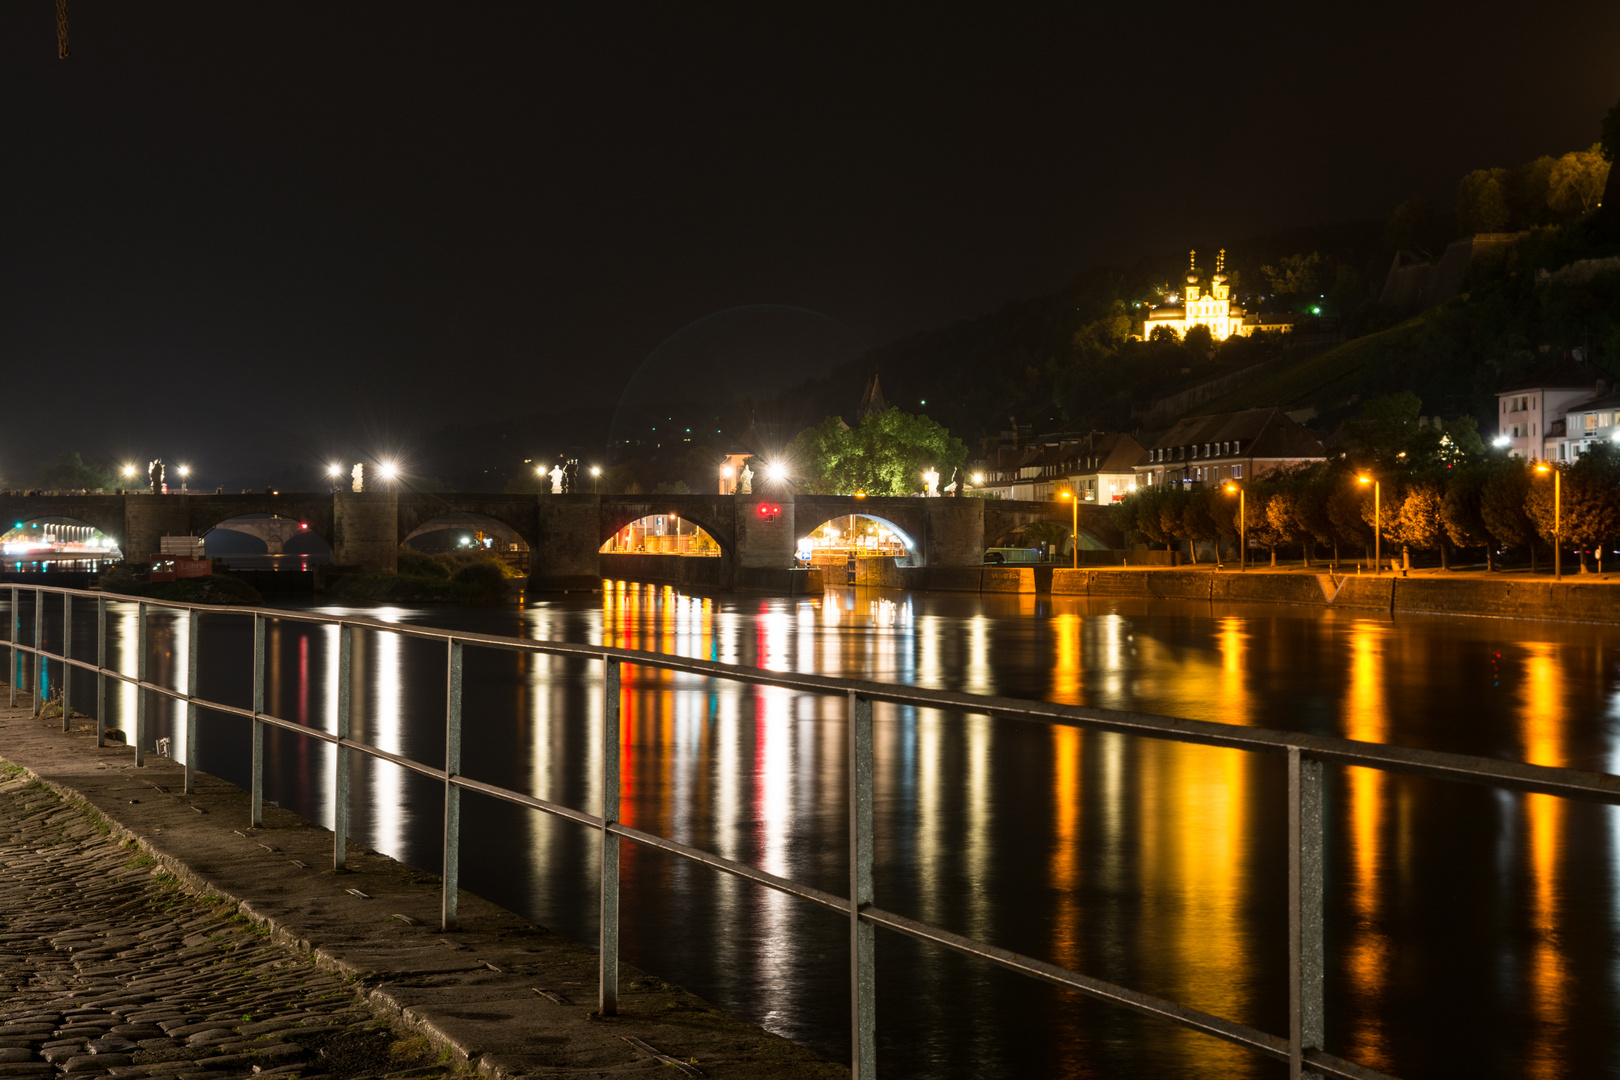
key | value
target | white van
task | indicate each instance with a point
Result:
(1011, 556)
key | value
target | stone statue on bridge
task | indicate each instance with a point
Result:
(154, 474)
(556, 475)
(745, 481)
(570, 476)
(358, 476)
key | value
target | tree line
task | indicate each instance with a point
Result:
(1492, 502)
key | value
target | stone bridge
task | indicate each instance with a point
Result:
(565, 532)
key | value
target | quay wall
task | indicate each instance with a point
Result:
(1576, 601)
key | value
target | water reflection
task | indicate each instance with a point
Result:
(1155, 864)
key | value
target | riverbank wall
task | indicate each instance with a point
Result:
(1508, 597)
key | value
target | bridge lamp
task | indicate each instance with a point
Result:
(978, 478)
(185, 471)
(776, 471)
(388, 470)
(334, 471)
(596, 475)
(129, 471)
(930, 480)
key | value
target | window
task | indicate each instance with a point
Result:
(1591, 420)
(1237, 446)
(1237, 472)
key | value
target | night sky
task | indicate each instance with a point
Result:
(254, 236)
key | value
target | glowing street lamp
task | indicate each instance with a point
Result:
(1558, 517)
(1074, 536)
(930, 480)
(1243, 525)
(388, 470)
(776, 472)
(1378, 523)
(185, 471)
(596, 475)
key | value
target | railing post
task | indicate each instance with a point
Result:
(39, 646)
(256, 801)
(16, 635)
(67, 651)
(140, 678)
(608, 998)
(862, 968)
(340, 775)
(452, 794)
(1305, 949)
(193, 628)
(101, 666)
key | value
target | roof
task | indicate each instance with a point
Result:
(1563, 375)
(871, 400)
(1265, 433)
(1602, 401)
(1168, 311)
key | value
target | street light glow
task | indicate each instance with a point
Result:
(185, 470)
(388, 470)
(596, 470)
(978, 478)
(129, 470)
(334, 470)
(776, 471)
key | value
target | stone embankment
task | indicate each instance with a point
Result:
(1578, 598)
(149, 933)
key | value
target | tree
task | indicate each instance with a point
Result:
(1576, 183)
(1482, 205)
(1386, 426)
(1301, 275)
(1610, 142)
(1171, 525)
(1460, 511)
(1164, 333)
(1502, 505)
(1344, 510)
(1419, 521)
(886, 455)
(73, 473)
(1588, 506)
(1413, 227)
(1311, 517)
(1527, 193)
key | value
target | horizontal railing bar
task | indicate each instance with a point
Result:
(1273, 1046)
(1323, 1062)
(1464, 768)
(517, 797)
(720, 862)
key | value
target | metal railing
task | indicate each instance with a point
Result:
(1306, 757)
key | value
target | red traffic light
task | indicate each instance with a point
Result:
(303, 524)
(769, 511)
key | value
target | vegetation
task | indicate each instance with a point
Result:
(1439, 489)
(213, 589)
(459, 577)
(71, 472)
(886, 455)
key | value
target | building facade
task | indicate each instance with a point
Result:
(1203, 451)
(1531, 415)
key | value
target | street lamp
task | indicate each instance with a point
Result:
(1074, 537)
(596, 475)
(1558, 517)
(1243, 525)
(1378, 522)
(776, 472)
(388, 470)
(185, 471)
(930, 480)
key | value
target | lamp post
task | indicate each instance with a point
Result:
(726, 481)
(1378, 522)
(596, 476)
(930, 481)
(1074, 535)
(1243, 525)
(1558, 517)
(185, 471)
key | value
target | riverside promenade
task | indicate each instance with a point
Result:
(149, 933)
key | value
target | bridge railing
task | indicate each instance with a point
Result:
(1306, 756)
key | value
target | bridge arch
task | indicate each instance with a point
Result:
(712, 515)
(662, 534)
(857, 530)
(60, 536)
(460, 530)
(255, 534)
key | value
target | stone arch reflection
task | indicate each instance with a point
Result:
(53, 541)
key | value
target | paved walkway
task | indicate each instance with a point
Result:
(144, 932)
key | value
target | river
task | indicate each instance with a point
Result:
(1470, 932)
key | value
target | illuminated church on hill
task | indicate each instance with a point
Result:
(1212, 309)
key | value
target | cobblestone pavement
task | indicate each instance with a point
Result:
(107, 968)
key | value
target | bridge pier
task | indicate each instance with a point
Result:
(565, 554)
(955, 532)
(148, 519)
(365, 531)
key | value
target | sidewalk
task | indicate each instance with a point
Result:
(148, 933)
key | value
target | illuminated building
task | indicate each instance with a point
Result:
(1212, 308)
(1208, 450)
(1097, 465)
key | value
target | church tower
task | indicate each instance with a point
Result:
(1192, 276)
(1221, 290)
